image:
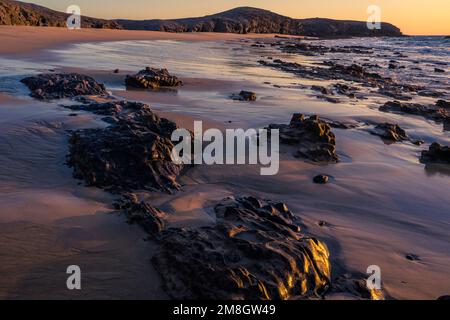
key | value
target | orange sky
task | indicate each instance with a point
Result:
(412, 16)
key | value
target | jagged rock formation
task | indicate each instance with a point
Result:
(313, 138)
(439, 112)
(254, 20)
(28, 14)
(244, 96)
(151, 78)
(58, 86)
(238, 20)
(321, 179)
(437, 153)
(147, 217)
(255, 251)
(390, 132)
(353, 73)
(134, 152)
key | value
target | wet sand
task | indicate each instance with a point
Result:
(48, 221)
(26, 40)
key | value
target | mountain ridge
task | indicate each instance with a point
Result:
(238, 20)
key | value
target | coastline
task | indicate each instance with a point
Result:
(21, 40)
(203, 186)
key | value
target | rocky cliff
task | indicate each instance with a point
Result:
(238, 20)
(27, 14)
(253, 20)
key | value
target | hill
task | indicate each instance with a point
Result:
(238, 20)
(28, 14)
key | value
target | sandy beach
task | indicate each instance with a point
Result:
(20, 40)
(380, 207)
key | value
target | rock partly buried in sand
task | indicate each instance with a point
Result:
(62, 85)
(356, 285)
(143, 214)
(438, 112)
(152, 78)
(321, 179)
(254, 251)
(390, 133)
(312, 136)
(134, 152)
(244, 96)
(443, 104)
(111, 108)
(437, 153)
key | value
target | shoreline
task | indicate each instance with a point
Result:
(348, 213)
(25, 40)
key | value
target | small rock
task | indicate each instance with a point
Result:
(151, 78)
(321, 179)
(390, 132)
(437, 153)
(245, 96)
(322, 223)
(412, 257)
(443, 104)
(392, 66)
(439, 70)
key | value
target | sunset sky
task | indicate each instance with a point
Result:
(412, 16)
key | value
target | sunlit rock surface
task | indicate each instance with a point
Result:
(311, 136)
(63, 85)
(151, 78)
(256, 250)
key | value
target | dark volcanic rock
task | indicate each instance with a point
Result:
(151, 78)
(27, 14)
(134, 152)
(437, 153)
(438, 113)
(390, 132)
(412, 257)
(254, 251)
(254, 20)
(356, 285)
(312, 136)
(244, 96)
(296, 46)
(322, 90)
(64, 85)
(353, 73)
(111, 108)
(443, 104)
(321, 179)
(143, 214)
